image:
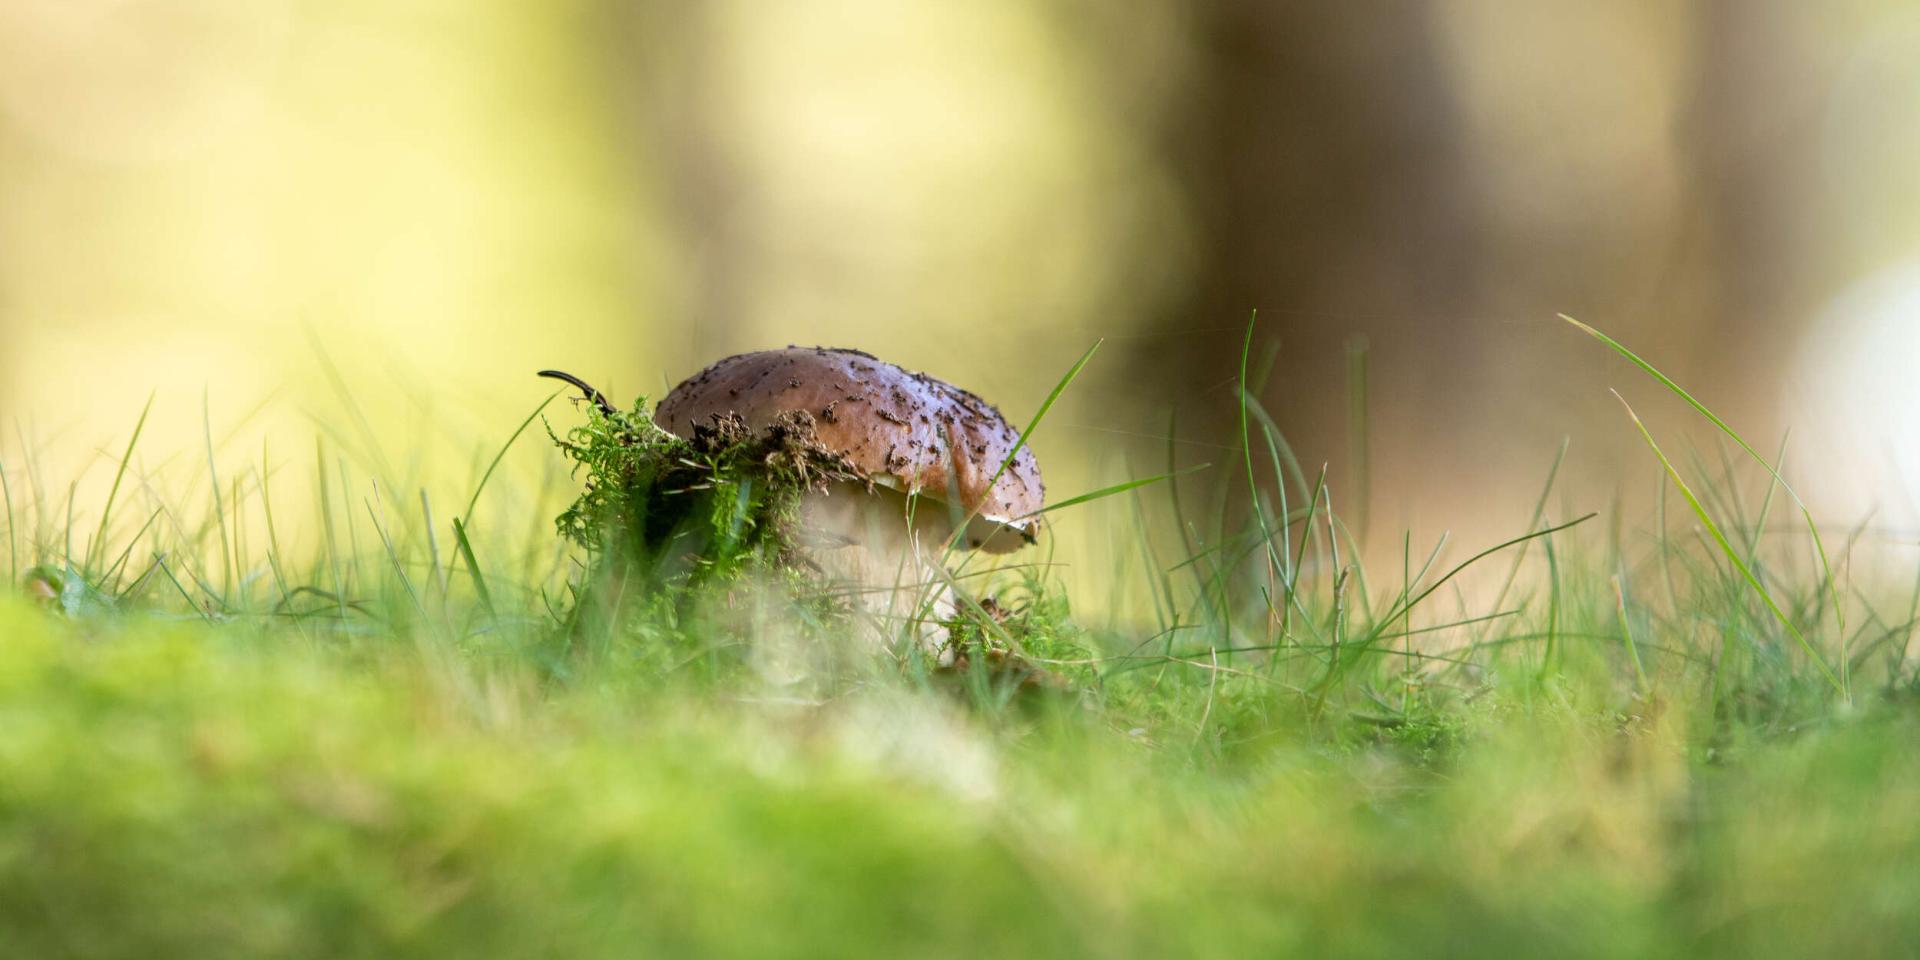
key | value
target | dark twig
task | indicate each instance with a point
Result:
(599, 399)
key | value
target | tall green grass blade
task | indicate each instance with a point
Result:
(1363, 588)
(393, 556)
(1246, 435)
(1160, 580)
(1118, 488)
(1306, 535)
(184, 595)
(1420, 576)
(106, 511)
(1284, 569)
(1550, 658)
(1727, 490)
(1766, 504)
(1276, 555)
(473, 566)
(330, 543)
(960, 530)
(1533, 523)
(243, 586)
(1813, 529)
(112, 572)
(435, 569)
(1663, 531)
(354, 579)
(474, 500)
(67, 537)
(1406, 616)
(1626, 631)
(219, 507)
(1192, 551)
(273, 534)
(1733, 555)
(1274, 443)
(1395, 612)
(36, 484)
(1333, 532)
(13, 541)
(1279, 448)
(1039, 415)
(368, 436)
(1285, 464)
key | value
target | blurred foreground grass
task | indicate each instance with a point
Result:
(1694, 740)
(175, 790)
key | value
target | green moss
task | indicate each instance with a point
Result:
(724, 502)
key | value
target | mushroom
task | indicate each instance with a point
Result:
(930, 450)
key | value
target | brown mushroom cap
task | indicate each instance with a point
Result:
(910, 431)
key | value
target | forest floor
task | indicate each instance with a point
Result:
(1699, 740)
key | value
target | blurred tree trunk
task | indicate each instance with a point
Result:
(1327, 195)
(676, 100)
(1346, 181)
(1752, 137)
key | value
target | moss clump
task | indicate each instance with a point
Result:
(688, 510)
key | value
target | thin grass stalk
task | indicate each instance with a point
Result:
(1806, 514)
(219, 507)
(1733, 556)
(13, 540)
(106, 511)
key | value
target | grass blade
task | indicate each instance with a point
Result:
(1105, 492)
(332, 545)
(473, 565)
(960, 529)
(436, 573)
(1819, 546)
(13, 544)
(192, 604)
(1626, 630)
(1246, 436)
(273, 535)
(1275, 555)
(1733, 555)
(112, 573)
(393, 556)
(1397, 611)
(1766, 505)
(219, 508)
(106, 512)
(348, 400)
(1539, 514)
(475, 499)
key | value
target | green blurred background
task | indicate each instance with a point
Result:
(199, 197)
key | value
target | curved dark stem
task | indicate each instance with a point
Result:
(599, 399)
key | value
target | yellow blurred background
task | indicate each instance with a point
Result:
(214, 200)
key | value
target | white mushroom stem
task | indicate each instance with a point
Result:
(886, 552)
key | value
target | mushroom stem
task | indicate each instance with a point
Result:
(865, 543)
